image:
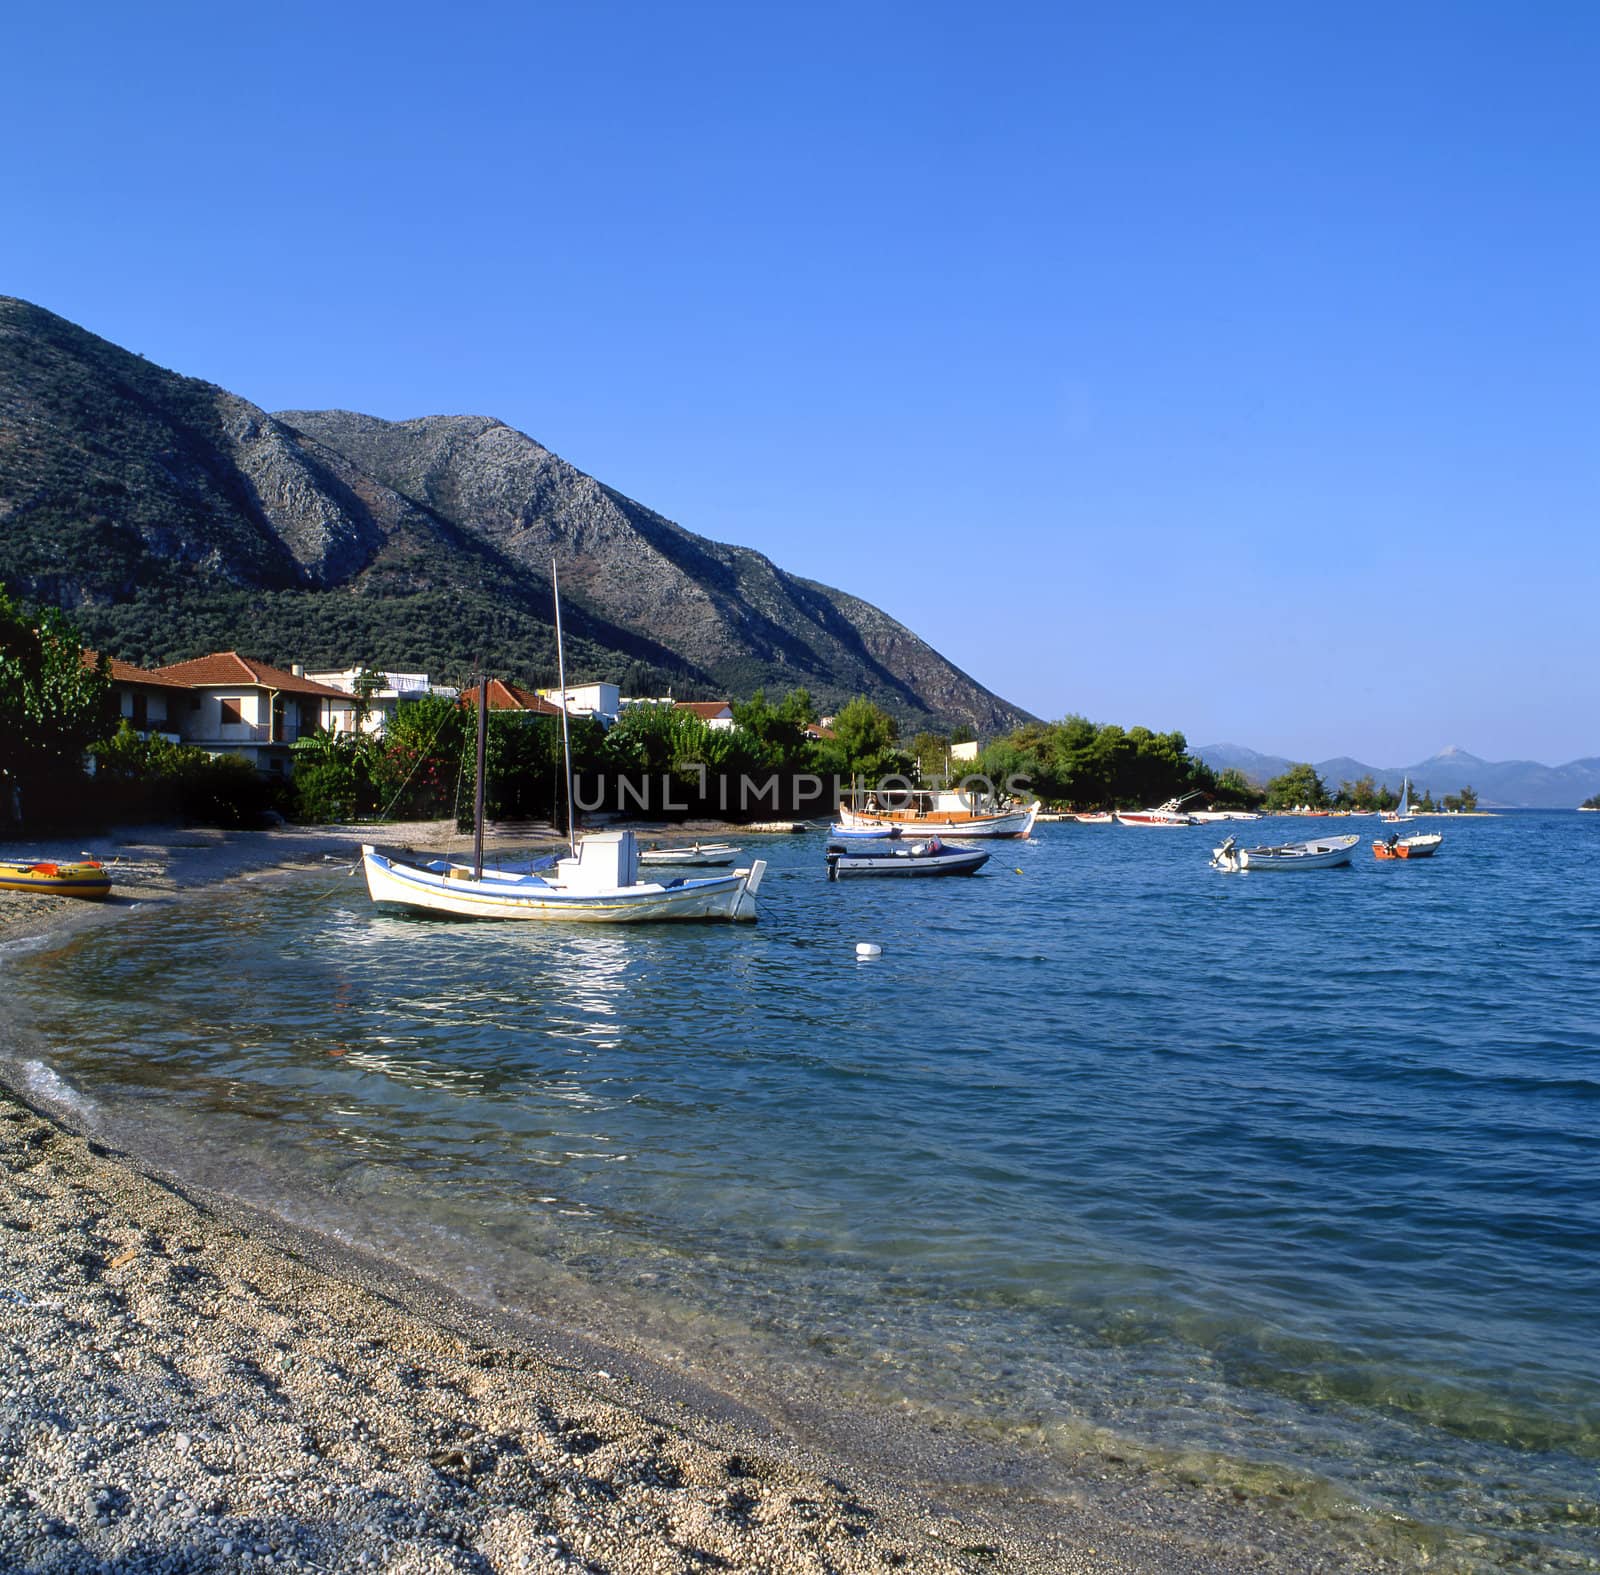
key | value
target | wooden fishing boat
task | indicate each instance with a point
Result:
(1421, 846)
(904, 857)
(600, 884)
(87, 878)
(945, 812)
(1319, 853)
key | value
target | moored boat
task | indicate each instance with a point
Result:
(904, 857)
(1315, 854)
(942, 812)
(86, 878)
(1421, 846)
(599, 885)
(702, 855)
(1172, 813)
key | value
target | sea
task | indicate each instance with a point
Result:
(1283, 1184)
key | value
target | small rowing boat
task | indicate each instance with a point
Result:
(87, 878)
(703, 855)
(1319, 853)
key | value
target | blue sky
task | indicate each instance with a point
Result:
(1232, 369)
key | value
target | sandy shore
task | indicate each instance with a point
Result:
(186, 1386)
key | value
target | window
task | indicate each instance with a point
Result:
(232, 711)
(141, 710)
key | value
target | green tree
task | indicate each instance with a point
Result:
(1299, 786)
(866, 736)
(1464, 802)
(418, 770)
(53, 705)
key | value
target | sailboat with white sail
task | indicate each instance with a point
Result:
(1404, 811)
(597, 883)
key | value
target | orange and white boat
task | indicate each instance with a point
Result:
(1422, 846)
(87, 878)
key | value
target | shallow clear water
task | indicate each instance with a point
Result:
(1286, 1178)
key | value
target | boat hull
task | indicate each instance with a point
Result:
(1320, 853)
(1153, 818)
(1422, 846)
(948, 861)
(455, 892)
(89, 881)
(944, 823)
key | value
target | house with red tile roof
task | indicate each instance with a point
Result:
(509, 697)
(716, 714)
(239, 706)
(146, 702)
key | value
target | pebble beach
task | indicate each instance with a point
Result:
(186, 1385)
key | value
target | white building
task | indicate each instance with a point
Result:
(603, 701)
(384, 702)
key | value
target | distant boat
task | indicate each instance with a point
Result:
(703, 855)
(1098, 817)
(1421, 846)
(1316, 854)
(1205, 816)
(904, 857)
(1172, 813)
(88, 878)
(1404, 811)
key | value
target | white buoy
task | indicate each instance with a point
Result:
(868, 949)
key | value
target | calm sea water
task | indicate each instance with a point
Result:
(1289, 1182)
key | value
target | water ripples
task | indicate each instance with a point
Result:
(1296, 1173)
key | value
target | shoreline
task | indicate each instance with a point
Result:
(199, 1382)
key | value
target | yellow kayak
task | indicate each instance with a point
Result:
(87, 879)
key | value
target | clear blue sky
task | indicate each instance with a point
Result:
(1228, 368)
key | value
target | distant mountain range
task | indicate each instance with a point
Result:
(1504, 783)
(171, 517)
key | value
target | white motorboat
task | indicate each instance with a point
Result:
(1317, 853)
(600, 885)
(904, 857)
(1172, 813)
(703, 855)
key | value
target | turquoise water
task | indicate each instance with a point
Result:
(1289, 1182)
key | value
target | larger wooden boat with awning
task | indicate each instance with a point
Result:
(945, 812)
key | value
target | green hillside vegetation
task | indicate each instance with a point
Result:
(1081, 764)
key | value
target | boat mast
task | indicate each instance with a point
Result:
(477, 783)
(566, 737)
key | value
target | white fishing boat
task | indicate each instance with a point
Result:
(939, 812)
(1317, 853)
(1209, 816)
(598, 883)
(703, 855)
(904, 857)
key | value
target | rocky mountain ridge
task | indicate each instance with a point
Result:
(1505, 783)
(171, 516)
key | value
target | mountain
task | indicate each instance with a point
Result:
(1524, 783)
(171, 517)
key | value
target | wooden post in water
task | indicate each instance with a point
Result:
(566, 737)
(477, 786)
